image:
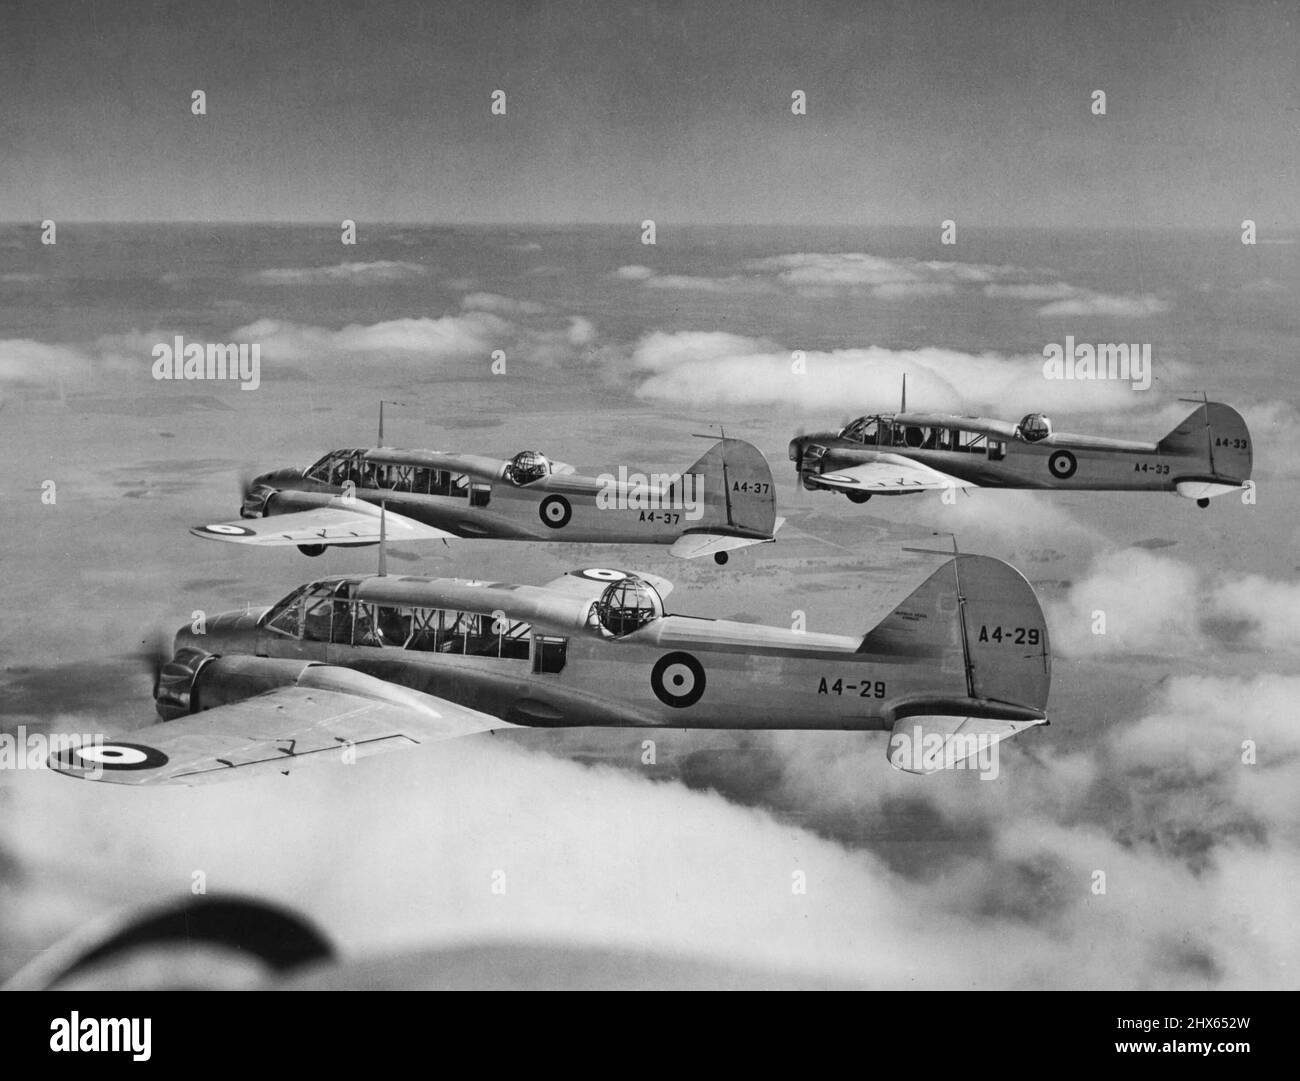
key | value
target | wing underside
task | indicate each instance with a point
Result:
(340, 522)
(887, 473)
(279, 730)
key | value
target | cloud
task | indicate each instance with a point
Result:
(24, 362)
(827, 275)
(1119, 307)
(717, 368)
(1191, 812)
(861, 269)
(995, 888)
(1032, 291)
(731, 284)
(494, 302)
(913, 290)
(1067, 299)
(1135, 601)
(475, 333)
(377, 273)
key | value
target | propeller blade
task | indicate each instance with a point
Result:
(154, 652)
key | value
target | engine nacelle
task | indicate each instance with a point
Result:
(195, 680)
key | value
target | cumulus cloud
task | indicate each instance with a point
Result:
(1119, 307)
(1135, 601)
(444, 337)
(1191, 811)
(1067, 299)
(24, 362)
(861, 269)
(833, 274)
(716, 368)
(376, 273)
(1002, 893)
(731, 284)
(494, 302)
(1031, 291)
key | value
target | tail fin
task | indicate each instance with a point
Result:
(978, 627)
(739, 496)
(977, 622)
(1217, 437)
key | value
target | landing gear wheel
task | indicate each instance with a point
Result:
(312, 550)
(720, 558)
(858, 497)
(1202, 503)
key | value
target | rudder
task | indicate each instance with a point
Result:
(738, 491)
(1216, 435)
(977, 621)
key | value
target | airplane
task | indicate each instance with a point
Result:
(355, 665)
(723, 502)
(1207, 455)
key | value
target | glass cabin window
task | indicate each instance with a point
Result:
(549, 653)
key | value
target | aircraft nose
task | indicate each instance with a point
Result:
(220, 633)
(796, 448)
(261, 487)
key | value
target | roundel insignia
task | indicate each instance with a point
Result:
(678, 680)
(96, 756)
(555, 511)
(1062, 464)
(600, 574)
(227, 530)
(840, 478)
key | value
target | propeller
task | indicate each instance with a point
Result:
(154, 652)
(800, 432)
(246, 476)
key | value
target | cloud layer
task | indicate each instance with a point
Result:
(715, 369)
(814, 275)
(380, 272)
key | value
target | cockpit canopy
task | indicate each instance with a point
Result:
(1033, 427)
(627, 605)
(862, 430)
(336, 467)
(526, 467)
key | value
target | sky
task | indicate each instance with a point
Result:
(916, 112)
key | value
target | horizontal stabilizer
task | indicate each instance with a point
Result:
(695, 545)
(920, 744)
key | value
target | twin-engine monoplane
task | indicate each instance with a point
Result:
(350, 666)
(722, 502)
(1207, 455)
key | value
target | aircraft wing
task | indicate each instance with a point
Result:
(331, 714)
(340, 521)
(887, 473)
